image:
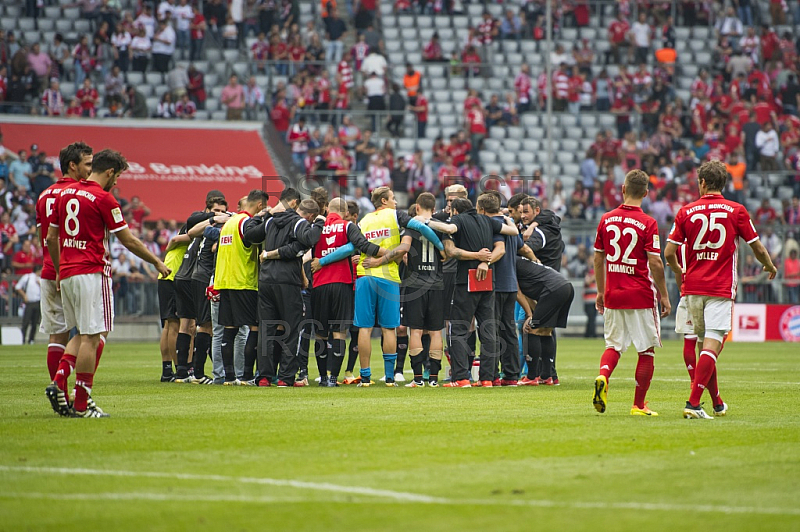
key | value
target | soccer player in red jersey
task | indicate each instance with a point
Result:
(711, 227)
(628, 250)
(83, 216)
(76, 164)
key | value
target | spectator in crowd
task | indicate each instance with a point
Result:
(177, 80)
(197, 34)
(400, 182)
(511, 26)
(140, 51)
(53, 100)
(114, 86)
(232, 97)
(397, 105)
(730, 26)
(163, 46)
(766, 213)
(432, 53)
(28, 288)
(40, 63)
(335, 30)
(121, 40)
(82, 57)
(182, 14)
(146, 21)
(196, 87)
(20, 172)
(253, 99)
(412, 81)
(365, 149)
(59, 53)
(768, 146)
(375, 90)
(299, 137)
(420, 111)
(185, 109)
(45, 175)
(166, 107)
(641, 35)
(136, 105)
(88, 98)
(281, 113)
(24, 260)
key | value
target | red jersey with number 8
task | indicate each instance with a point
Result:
(711, 227)
(85, 214)
(627, 235)
(44, 209)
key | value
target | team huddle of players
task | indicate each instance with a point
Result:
(263, 282)
(304, 269)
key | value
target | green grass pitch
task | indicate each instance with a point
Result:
(185, 457)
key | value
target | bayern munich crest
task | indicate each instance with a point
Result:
(789, 324)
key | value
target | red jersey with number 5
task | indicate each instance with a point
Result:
(627, 235)
(711, 227)
(44, 209)
(85, 214)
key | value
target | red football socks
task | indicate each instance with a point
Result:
(644, 374)
(690, 355)
(99, 353)
(65, 367)
(83, 389)
(54, 354)
(713, 388)
(706, 366)
(608, 362)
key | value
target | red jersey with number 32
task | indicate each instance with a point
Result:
(44, 209)
(85, 214)
(627, 235)
(711, 227)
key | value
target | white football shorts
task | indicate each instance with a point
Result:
(88, 303)
(710, 313)
(640, 326)
(53, 321)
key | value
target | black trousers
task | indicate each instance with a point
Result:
(467, 305)
(279, 305)
(507, 343)
(31, 318)
(306, 335)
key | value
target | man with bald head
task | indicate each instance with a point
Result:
(332, 297)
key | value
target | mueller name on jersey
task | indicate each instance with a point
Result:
(625, 220)
(376, 234)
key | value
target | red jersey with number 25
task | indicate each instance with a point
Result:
(627, 235)
(85, 214)
(711, 227)
(44, 209)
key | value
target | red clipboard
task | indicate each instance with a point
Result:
(474, 285)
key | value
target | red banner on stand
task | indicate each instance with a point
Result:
(171, 169)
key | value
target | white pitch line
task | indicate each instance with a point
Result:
(320, 486)
(395, 496)
(138, 496)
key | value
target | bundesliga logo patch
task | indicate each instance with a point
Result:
(117, 214)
